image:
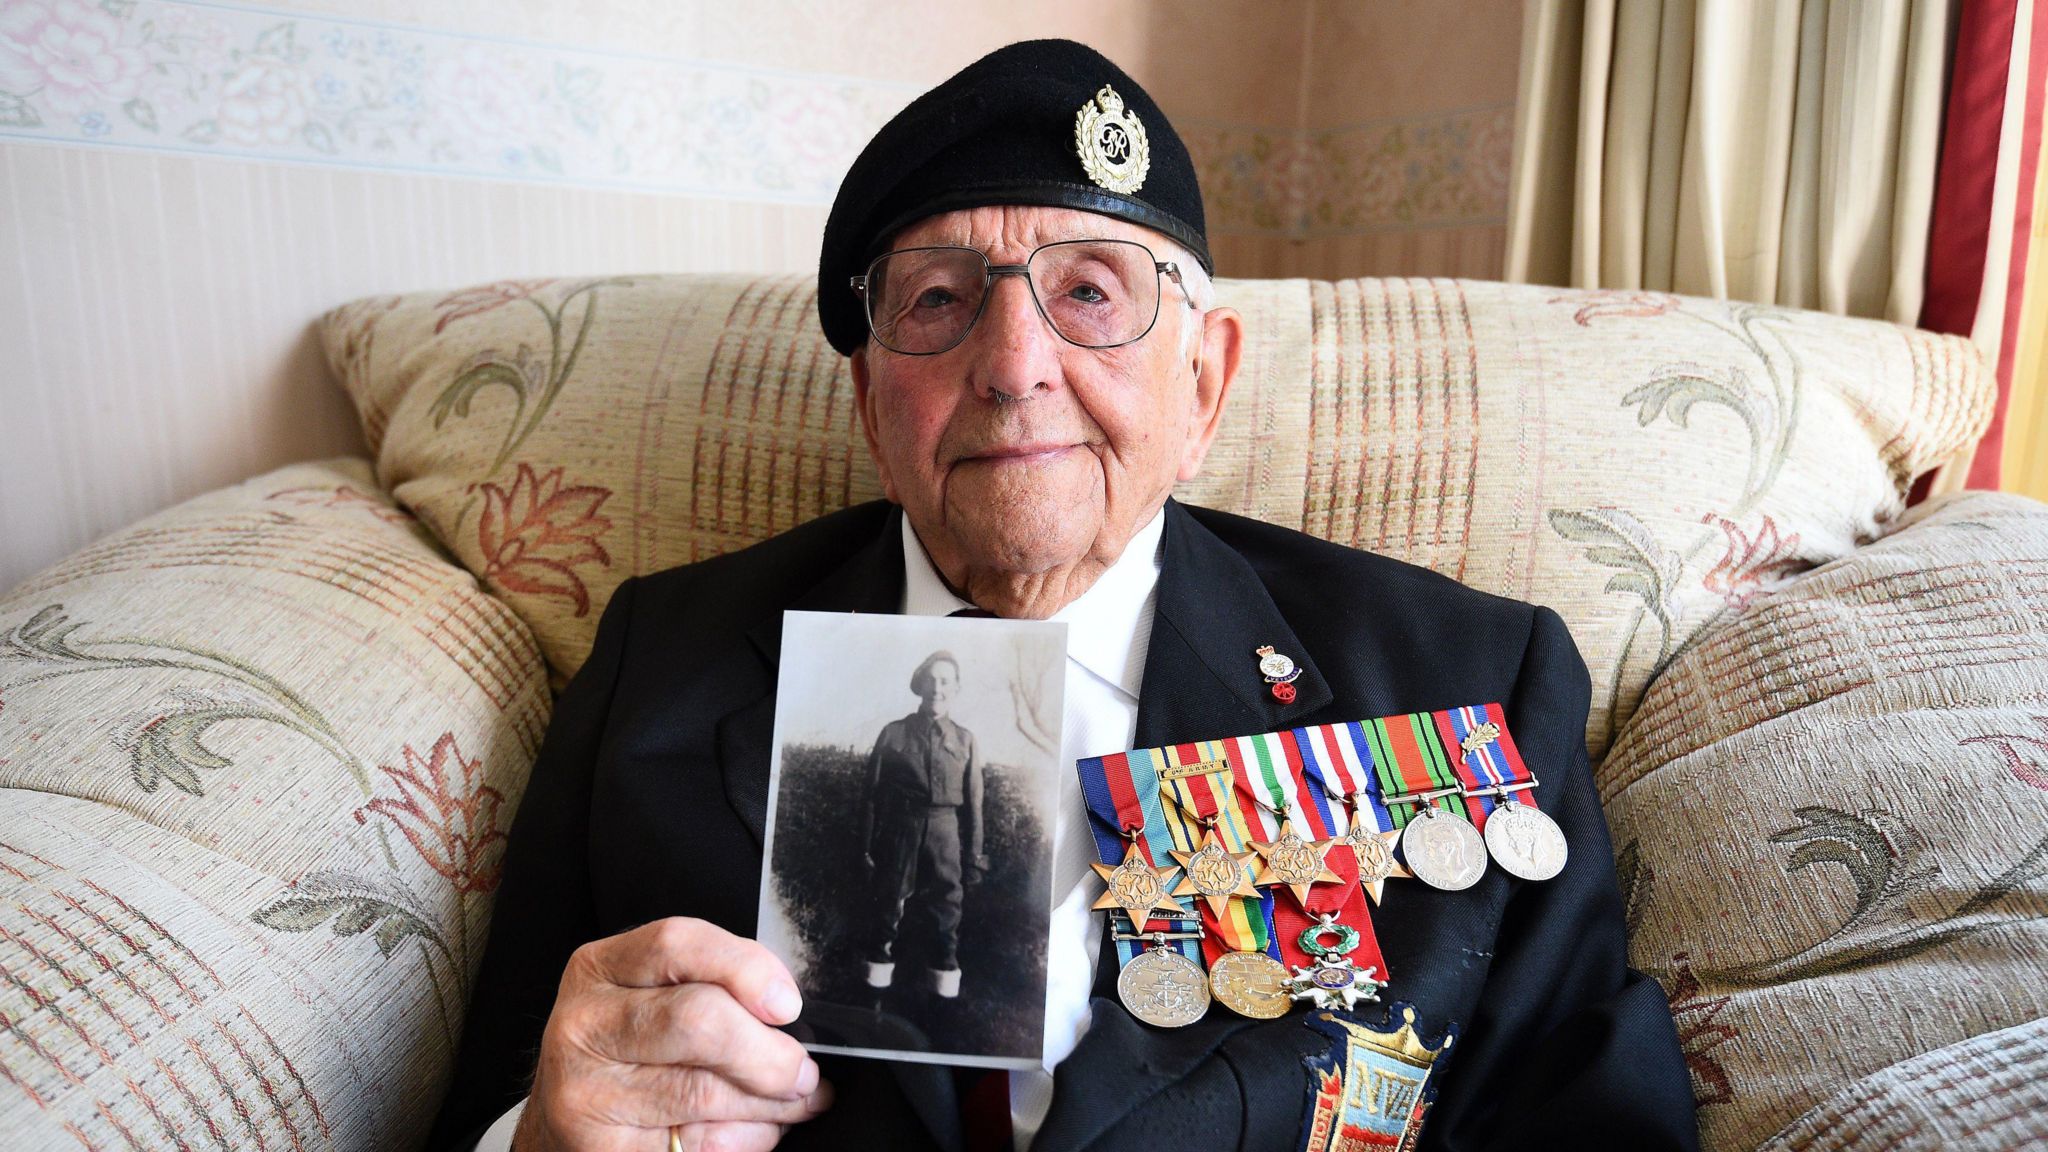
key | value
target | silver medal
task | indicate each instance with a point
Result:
(1443, 851)
(1164, 988)
(1525, 841)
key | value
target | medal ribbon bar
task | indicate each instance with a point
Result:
(1408, 757)
(1122, 793)
(1485, 757)
(1269, 770)
(1197, 798)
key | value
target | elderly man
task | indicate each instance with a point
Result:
(1017, 267)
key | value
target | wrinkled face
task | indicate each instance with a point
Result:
(940, 681)
(1016, 451)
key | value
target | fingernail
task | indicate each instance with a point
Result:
(807, 1078)
(783, 1003)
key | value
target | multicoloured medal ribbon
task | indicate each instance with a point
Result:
(1420, 786)
(1409, 760)
(1268, 770)
(1338, 757)
(1483, 755)
(1124, 805)
(1197, 783)
(1519, 836)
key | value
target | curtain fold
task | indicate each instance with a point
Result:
(1771, 150)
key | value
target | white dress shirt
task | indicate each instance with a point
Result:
(1109, 629)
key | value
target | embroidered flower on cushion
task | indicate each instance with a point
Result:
(1699, 1033)
(476, 301)
(448, 813)
(1750, 562)
(342, 496)
(1598, 305)
(2030, 772)
(534, 535)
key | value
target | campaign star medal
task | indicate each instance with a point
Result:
(1137, 888)
(1114, 150)
(1294, 863)
(1375, 852)
(1215, 873)
(1280, 672)
(1333, 981)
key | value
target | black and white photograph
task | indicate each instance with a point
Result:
(909, 849)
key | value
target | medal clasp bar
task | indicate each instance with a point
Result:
(1421, 797)
(1502, 789)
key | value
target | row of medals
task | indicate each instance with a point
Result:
(1163, 987)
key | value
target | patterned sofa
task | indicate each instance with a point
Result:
(259, 751)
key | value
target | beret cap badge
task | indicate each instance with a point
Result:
(1112, 144)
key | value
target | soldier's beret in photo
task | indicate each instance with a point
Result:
(1044, 122)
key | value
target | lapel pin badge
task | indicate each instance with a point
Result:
(1280, 672)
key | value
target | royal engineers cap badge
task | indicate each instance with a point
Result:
(1112, 143)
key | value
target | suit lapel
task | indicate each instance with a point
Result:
(870, 581)
(1202, 682)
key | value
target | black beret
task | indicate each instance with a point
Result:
(1005, 130)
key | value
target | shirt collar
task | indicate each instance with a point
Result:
(1109, 627)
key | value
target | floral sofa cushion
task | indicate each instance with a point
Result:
(1831, 818)
(257, 757)
(1637, 461)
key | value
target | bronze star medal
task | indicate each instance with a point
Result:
(1215, 873)
(1375, 852)
(1138, 888)
(1294, 863)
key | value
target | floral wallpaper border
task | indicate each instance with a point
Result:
(266, 84)
(200, 76)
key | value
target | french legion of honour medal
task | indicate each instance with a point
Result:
(1333, 982)
(1443, 851)
(1375, 852)
(1112, 144)
(1294, 863)
(1138, 888)
(1280, 672)
(1215, 874)
(1251, 984)
(1525, 840)
(1163, 988)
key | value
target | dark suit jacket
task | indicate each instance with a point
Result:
(648, 797)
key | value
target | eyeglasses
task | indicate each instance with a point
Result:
(1094, 293)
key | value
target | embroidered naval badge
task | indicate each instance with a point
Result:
(1112, 144)
(1372, 1088)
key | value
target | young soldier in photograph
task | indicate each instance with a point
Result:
(921, 826)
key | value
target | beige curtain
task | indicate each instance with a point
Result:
(1771, 150)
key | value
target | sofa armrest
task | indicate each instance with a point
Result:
(1831, 814)
(259, 754)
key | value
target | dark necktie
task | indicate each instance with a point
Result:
(984, 1095)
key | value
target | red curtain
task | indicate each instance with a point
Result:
(1959, 235)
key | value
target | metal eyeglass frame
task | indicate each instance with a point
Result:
(1167, 268)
